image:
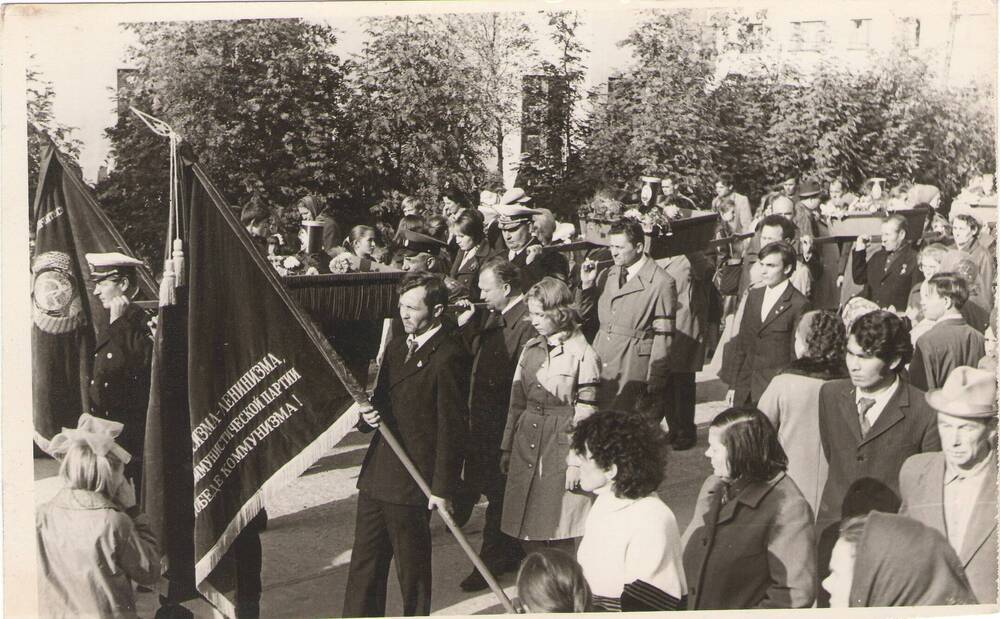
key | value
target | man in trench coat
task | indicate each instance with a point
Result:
(635, 302)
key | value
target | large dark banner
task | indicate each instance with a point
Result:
(265, 394)
(66, 317)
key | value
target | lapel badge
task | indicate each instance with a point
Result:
(902, 271)
(420, 363)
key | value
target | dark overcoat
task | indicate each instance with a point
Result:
(496, 347)
(755, 551)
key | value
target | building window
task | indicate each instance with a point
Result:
(808, 36)
(860, 37)
(753, 37)
(910, 32)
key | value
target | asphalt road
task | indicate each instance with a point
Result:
(307, 545)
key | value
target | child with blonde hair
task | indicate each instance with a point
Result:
(92, 541)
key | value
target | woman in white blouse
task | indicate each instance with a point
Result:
(631, 548)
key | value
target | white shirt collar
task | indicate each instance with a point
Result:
(632, 271)
(511, 304)
(881, 399)
(426, 335)
(778, 290)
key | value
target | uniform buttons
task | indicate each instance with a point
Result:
(534, 425)
(532, 445)
(105, 384)
(531, 466)
(91, 381)
(110, 355)
(861, 458)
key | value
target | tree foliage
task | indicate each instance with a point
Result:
(500, 50)
(420, 121)
(678, 111)
(264, 104)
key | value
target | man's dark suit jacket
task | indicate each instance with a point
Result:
(496, 344)
(549, 264)
(887, 286)
(763, 348)
(864, 472)
(424, 402)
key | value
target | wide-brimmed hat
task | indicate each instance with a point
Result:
(513, 196)
(969, 393)
(809, 188)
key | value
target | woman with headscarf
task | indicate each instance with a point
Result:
(310, 208)
(751, 541)
(891, 560)
(791, 400)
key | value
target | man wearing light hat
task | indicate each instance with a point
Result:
(955, 490)
(515, 221)
(119, 389)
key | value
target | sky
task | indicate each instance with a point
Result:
(84, 80)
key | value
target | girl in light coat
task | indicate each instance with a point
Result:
(555, 386)
(92, 541)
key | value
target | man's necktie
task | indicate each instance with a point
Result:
(411, 347)
(622, 277)
(864, 404)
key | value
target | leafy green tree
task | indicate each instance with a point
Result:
(500, 49)
(421, 124)
(264, 104)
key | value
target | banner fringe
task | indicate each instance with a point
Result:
(281, 478)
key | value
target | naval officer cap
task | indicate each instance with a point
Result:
(414, 243)
(103, 266)
(511, 211)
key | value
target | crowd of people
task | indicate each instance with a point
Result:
(855, 464)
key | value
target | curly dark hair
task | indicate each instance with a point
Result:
(885, 335)
(751, 442)
(629, 441)
(825, 337)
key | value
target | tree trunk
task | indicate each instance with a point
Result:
(499, 145)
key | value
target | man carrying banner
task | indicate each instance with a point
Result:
(421, 396)
(119, 389)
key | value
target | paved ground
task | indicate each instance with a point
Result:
(307, 545)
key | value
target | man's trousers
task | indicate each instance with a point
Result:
(383, 531)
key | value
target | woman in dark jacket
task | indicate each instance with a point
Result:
(750, 543)
(473, 251)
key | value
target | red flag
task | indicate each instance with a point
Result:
(67, 318)
(265, 394)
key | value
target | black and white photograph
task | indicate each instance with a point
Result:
(370, 309)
